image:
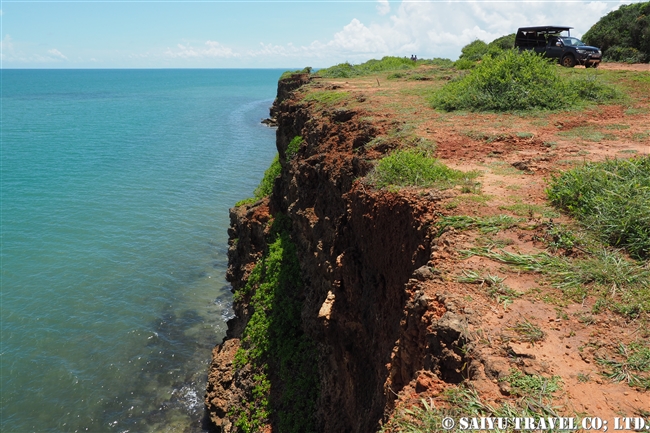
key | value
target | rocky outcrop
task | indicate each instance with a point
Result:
(363, 254)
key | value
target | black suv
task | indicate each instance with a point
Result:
(548, 40)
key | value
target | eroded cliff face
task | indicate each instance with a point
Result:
(363, 254)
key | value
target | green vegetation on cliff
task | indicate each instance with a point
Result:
(413, 167)
(386, 64)
(624, 34)
(265, 188)
(282, 357)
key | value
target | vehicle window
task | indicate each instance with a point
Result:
(572, 42)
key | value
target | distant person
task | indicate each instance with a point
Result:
(415, 58)
(412, 58)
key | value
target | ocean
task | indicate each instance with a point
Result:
(115, 188)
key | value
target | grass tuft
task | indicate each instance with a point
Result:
(612, 198)
(413, 167)
(634, 368)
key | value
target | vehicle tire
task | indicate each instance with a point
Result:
(568, 61)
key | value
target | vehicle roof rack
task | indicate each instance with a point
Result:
(545, 29)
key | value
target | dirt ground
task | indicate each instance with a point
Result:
(517, 154)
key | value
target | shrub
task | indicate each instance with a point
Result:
(412, 167)
(503, 43)
(511, 81)
(624, 54)
(612, 198)
(514, 81)
(475, 50)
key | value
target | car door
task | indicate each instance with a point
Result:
(552, 50)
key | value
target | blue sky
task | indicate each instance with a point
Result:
(264, 34)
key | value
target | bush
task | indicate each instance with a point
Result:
(624, 54)
(514, 81)
(511, 81)
(611, 198)
(412, 167)
(503, 43)
(475, 50)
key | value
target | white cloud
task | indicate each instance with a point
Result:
(357, 38)
(210, 49)
(57, 54)
(429, 29)
(383, 7)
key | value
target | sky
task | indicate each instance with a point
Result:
(264, 34)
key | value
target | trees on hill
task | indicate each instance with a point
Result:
(624, 34)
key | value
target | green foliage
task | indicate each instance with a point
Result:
(514, 81)
(612, 198)
(273, 341)
(347, 70)
(413, 167)
(464, 64)
(624, 55)
(626, 28)
(503, 43)
(475, 50)
(265, 187)
(293, 147)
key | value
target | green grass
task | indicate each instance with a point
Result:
(413, 167)
(620, 284)
(586, 133)
(529, 332)
(612, 198)
(633, 365)
(273, 341)
(532, 385)
(327, 97)
(496, 289)
(514, 81)
(491, 224)
(463, 401)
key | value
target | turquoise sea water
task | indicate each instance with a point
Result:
(115, 189)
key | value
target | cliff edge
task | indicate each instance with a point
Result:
(355, 302)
